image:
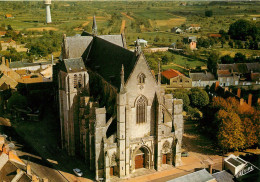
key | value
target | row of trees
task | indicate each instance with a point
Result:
(234, 126)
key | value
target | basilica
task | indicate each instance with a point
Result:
(113, 111)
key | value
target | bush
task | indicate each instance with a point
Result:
(17, 100)
(199, 98)
(184, 97)
(193, 112)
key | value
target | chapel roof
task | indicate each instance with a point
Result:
(72, 65)
(107, 58)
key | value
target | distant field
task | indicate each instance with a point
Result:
(42, 29)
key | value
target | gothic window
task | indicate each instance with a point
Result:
(141, 78)
(80, 81)
(141, 110)
(75, 81)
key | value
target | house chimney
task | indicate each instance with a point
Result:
(210, 168)
(7, 63)
(216, 85)
(34, 178)
(249, 102)
(239, 92)
(230, 90)
(18, 171)
(28, 169)
(241, 101)
(258, 101)
(3, 60)
(226, 89)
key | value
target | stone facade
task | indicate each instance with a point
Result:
(120, 122)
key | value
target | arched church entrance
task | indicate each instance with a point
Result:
(142, 158)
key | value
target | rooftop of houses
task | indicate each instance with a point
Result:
(171, 73)
(223, 176)
(202, 76)
(215, 35)
(198, 176)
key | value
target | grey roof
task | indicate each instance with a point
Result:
(107, 59)
(72, 65)
(20, 64)
(255, 67)
(199, 176)
(223, 176)
(202, 76)
(115, 39)
(194, 39)
(240, 67)
(77, 45)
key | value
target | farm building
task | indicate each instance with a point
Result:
(177, 30)
(202, 79)
(142, 42)
(9, 16)
(175, 79)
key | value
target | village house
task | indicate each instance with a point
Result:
(202, 79)
(8, 43)
(174, 79)
(238, 74)
(192, 41)
(142, 42)
(9, 16)
(176, 30)
(8, 77)
(114, 113)
(193, 27)
(12, 168)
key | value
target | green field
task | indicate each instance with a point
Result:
(150, 20)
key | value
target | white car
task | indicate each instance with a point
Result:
(78, 172)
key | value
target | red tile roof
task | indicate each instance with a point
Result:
(224, 72)
(2, 32)
(171, 73)
(215, 35)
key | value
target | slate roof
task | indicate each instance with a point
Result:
(202, 76)
(171, 73)
(20, 64)
(240, 67)
(255, 67)
(72, 65)
(223, 176)
(107, 59)
(115, 39)
(199, 176)
(77, 45)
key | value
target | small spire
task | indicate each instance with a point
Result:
(122, 78)
(94, 26)
(159, 72)
(138, 49)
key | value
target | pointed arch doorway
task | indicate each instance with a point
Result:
(142, 158)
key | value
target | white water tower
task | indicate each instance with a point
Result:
(48, 10)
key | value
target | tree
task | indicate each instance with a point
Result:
(227, 59)
(242, 29)
(212, 62)
(17, 100)
(208, 13)
(230, 134)
(240, 58)
(199, 98)
(184, 96)
(9, 27)
(250, 132)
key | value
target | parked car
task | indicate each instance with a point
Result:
(78, 172)
(184, 154)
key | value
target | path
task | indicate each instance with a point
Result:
(179, 66)
(129, 17)
(122, 26)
